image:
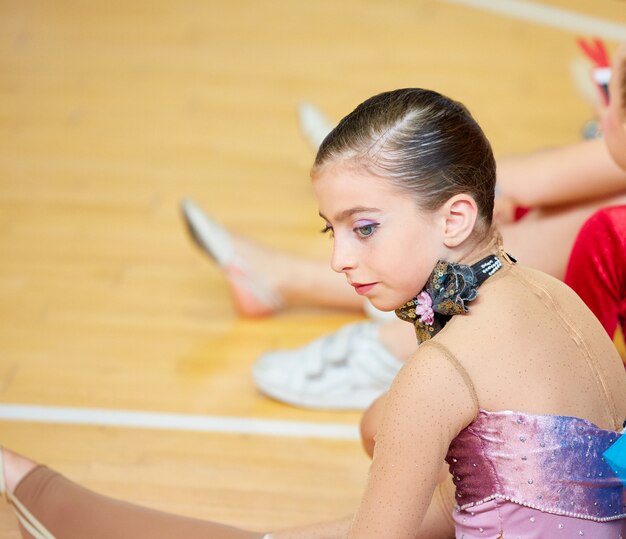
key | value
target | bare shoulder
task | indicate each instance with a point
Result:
(432, 378)
(527, 333)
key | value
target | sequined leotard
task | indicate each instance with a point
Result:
(535, 476)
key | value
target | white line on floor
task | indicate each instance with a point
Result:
(586, 25)
(170, 421)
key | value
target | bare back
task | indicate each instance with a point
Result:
(530, 344)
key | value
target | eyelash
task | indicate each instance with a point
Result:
(358, 230)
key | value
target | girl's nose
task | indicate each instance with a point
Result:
(343, 259)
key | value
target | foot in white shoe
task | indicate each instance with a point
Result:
(346, 370)
(252, 295)
(314, 125)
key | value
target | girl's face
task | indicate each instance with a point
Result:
(614, 123)
(384, 244)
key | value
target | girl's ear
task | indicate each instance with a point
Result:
(459, 214)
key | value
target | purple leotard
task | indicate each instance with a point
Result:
(528, 476)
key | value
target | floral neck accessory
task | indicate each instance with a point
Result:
(448, 289)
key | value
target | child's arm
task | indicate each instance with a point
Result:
(560, 176)
(429, 403)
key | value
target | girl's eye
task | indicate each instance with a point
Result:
(327, 229)
(365, 230)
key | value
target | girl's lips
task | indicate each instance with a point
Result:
(363, 289)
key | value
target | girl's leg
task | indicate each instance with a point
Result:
(544, 238)
(308, 281)
(263, 279)
(296, 280)
(69, 511)
(597, 266)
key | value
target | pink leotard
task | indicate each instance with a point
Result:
(528, 476)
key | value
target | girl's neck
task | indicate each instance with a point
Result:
(471, 252)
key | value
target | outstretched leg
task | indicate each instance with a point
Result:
(69, 511)
(262, 279)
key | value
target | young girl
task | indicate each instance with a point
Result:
(405, 185)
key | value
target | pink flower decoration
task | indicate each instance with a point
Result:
(424, 308)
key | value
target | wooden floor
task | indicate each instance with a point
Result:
(110, 112)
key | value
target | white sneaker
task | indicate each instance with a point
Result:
(314, 125)
(346, 370)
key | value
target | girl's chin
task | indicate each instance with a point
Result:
(386, 304)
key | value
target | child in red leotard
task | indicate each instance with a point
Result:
(597, 266)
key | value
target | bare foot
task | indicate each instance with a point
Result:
(15, 468)
(257, 276)
(264, 280)
(247, 266)
(280, 279)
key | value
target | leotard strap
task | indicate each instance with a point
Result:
(458, 367)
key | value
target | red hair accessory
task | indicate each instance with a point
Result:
(596, 51)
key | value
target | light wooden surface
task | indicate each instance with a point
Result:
(251, 481)
(110, 112)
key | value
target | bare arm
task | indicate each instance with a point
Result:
(408, 494)
(428, 404)
(559, 176)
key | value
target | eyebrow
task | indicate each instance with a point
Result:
(350, 212)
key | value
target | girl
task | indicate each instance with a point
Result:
(405, 185)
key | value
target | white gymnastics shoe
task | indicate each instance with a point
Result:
(314, 125)
(251, 295)
(346, 370)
